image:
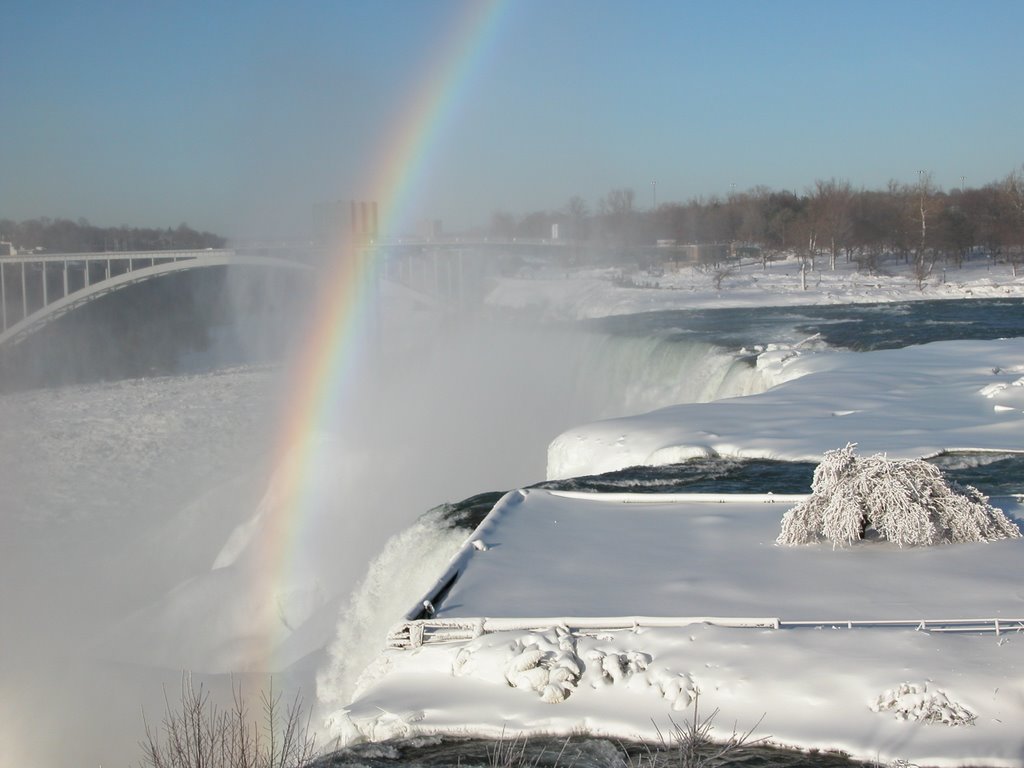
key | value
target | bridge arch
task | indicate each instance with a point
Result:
(170, 262)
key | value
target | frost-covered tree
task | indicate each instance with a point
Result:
(906, 502)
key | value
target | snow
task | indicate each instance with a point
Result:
(546, 568)
(133, 513)
(907, 403)
(579, 562)
(593, 293)
(649, 555)
(817, 688)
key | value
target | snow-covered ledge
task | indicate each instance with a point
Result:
(885, 401)
(880, 651)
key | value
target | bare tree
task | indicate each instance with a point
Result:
(752, 225)
(1013, 190)
(781, 210)
(535, 225)
(955, 232)
(618, 215)
(577, 212)
(875, 217)
(503, 225)
(925, 205)
(196, 733)
(719, 275)
(831, 203)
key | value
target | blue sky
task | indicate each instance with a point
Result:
(240, 116)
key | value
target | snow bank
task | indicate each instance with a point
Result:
(550, 553)
(824, 689)
(908, 403)
(594, 293)
(884, 693)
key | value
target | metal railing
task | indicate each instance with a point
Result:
(414, 634)
(68, 280)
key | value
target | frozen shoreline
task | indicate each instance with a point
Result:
(585, 294)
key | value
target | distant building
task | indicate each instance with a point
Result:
(7, 249)
(345, 221)
(433, 229)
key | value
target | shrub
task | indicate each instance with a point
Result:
(690, 745)
(906, 502)
(198, 734)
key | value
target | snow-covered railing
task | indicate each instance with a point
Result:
(997, 626)
(626, 497)
(413, 634)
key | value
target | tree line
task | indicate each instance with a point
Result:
(66, 236)
(919, 222)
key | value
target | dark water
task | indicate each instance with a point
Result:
(860, 327)
(992, 474)
(864, 327)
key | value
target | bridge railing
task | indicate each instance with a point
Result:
(30, 283)
(37, 289)
(170, 255)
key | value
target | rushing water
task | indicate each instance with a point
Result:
(860, 327)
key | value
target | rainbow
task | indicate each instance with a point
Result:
(333, 349)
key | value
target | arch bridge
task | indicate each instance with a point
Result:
(36, 290)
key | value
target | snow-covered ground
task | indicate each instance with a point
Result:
(886, 694)
(908, 403)
(594, 293)
(131, 518)
(815, 400)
